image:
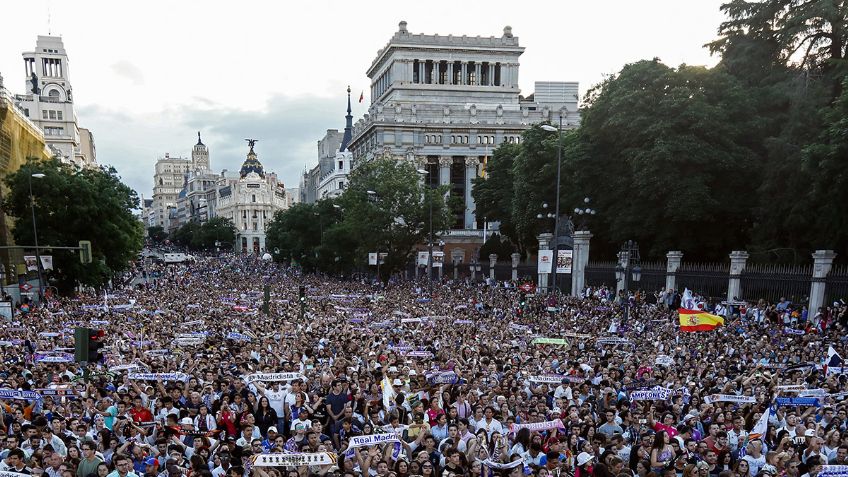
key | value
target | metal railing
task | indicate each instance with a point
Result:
(707, 279)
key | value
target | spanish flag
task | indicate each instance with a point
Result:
(698, 320)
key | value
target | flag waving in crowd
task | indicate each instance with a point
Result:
(698, 320)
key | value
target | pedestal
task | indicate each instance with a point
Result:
(544, 244)
(738, 259)
(580, 260)
(516, 259)
(673, 260)
(822, 263)
(624, 262)
(493, 259)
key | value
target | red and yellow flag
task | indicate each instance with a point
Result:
(698, 320)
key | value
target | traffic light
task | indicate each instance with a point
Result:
(301, 293)
(87, 345)
(522, 299)
(85, 251)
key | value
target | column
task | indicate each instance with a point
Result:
(673, 259)
(822, 263)
(478, 68)
(493, 259)
(544, 244)
(516, 259)
(464, 78)
(738, 258)
(445, 163)
(623, 261)
(450, 72)
(457, 257)
(471, 164)
(491, 75)
(580, 260)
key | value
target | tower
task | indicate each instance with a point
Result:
(348, 131)
(49, 101)
(200, 157)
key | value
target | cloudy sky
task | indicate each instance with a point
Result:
(148, 75)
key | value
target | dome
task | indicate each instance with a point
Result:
(251, 164)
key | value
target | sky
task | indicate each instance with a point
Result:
(148, 75)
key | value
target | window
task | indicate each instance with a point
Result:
(26, 112)
(341, 185)
(54, 93)
(52, 114)
(59, 115)
(44, 114)
(255, 226)
(244, 214)
(341, 165)
(254, 198)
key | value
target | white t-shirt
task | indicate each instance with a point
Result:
(277, 400)
(754, 465)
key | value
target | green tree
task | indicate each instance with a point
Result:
(493, 193)
(215, 230)
(294, 234)
(73, 205)
(186, 235)
(395, 218)
(157, 234)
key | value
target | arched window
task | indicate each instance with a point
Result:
(54, 93)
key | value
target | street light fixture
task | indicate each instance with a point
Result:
(632, 270)
(585, 212)
(424, 172)
(37, 175)
(549, 128)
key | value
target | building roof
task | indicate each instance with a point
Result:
(251, 163)
(348, 131)
(199, 142)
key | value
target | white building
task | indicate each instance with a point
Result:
(196, 202)
(329, 178)
(250, 201)
(446, 102)
(49, 102)
(168, 179)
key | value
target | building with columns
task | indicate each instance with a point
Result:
(168, 178)
(49, 102)
(446, 102)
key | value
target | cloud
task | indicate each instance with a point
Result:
(129, 71)
(288, 129)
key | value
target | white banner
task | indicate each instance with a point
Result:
(546, 258)
(372, 258)
(47, 262)
(547, 379)
(158, 376)
(729, 398)
(656, 393)
(438, 259)
(273, 377)
(500, 466)
(293, 460)
(664, 360)
(565, 258)
(422, 258)
(13, 474)
(372, 439)
(538, 426)
(828, 471)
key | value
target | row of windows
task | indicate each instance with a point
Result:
(437, 139)
(51, 114)
(54, 131)
(255, 213)
(456, 72)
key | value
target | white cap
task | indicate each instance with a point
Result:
(186, 421)
(393, 369)
(810, 433)
(397, 382)
(412, 372)
(584, 458)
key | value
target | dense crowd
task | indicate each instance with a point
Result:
(469, 379)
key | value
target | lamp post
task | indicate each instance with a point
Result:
(425, 173)
(548, 127)
(37, 175)
(627, 268)
(585, 212)
(373, 197)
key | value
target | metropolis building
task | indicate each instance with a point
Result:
(446, 102)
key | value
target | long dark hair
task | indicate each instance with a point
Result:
(659, 440)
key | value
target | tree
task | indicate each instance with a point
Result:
(73, 205)
(493, 193)
(186, 235)
(295, 234)
(215, 230)
(394, 219)
(157, 234)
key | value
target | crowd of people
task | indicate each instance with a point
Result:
(349, 379)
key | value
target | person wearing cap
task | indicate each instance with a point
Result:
(583, 465)
(814, 446)
(151, 466)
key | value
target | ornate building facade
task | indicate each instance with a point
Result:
(329, 178)
(446, 102)
(49, 102)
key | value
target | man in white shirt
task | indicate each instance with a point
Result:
(563, 391)
(489, 423)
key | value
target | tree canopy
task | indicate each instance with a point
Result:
(72, 205)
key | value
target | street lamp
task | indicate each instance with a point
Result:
(585, 212)
(631, 269)
(37, 175)
(424, 172)
(549, 128)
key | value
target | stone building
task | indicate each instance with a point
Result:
(250, 201)
(168, 180)
(330, 176)
(49, 102)
(446, 102)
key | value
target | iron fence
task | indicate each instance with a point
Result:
(771, 282)
(836, 284)
(653, 276)
(600, 274)
(706, 279)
